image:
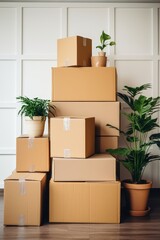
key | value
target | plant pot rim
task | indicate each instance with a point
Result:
(102, 53)
(131, 185)
(35, 118)
(99, 57)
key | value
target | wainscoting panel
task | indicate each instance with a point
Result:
(28, 49)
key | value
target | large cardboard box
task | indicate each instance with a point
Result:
(104, 112)
(102, 143)
(84, 84)
(23, 198)
(84, 202)
(99, 167)
(32, 154)
(72, 137)
(74, 51)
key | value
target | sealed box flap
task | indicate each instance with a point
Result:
(72, 117)
(26, 136)
(99, 156)
(73, 37)
(26, 176)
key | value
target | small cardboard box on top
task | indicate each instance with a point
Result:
(99, 167)
(32, 154)
(104, 112)
(74, 51)
(72, 137)
(23, 198)
(84, 84)
(84, 202)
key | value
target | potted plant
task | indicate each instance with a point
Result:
(35, 111)
(138, 138)
(100, 60)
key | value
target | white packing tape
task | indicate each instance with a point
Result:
(32, 168)
(22, 186)
(30, 142)
(84, 63)
(66, 123)
(66, 62)
(21, 220)
(67, 153)
(84, 42)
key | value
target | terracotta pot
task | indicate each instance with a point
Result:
(98, 61)
(137, 198)
(35, 126)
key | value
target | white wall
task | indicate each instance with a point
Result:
(28, 35)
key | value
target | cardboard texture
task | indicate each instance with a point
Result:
(104, 112)
(23, 198)
(84, 202)
(32, 154)
(99, 167)
(84, 84)
(72, 137)
(74, 51)
(102, 143)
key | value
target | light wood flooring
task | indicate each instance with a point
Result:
(137, 228)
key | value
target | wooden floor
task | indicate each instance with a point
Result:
(146, 228)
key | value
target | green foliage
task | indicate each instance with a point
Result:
(138, 136)
(35, 107)
(104, 41)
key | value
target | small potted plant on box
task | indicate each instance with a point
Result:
(35, 111)
(100, 60)
(138, 138)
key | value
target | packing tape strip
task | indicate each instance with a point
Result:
(30, 142)
(84, 42)
(67, 153)
(21, 220)
(32, 168)
(66, 62)
(66, 123)
(22, 186)
(84, 63)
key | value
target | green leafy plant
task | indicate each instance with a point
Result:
(35, 107)
(105, 40)
(138, 136)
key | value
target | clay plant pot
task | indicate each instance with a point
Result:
(137, 198)
(98, 61)
(35, 126)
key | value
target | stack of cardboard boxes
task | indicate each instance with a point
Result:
(25, 192)
(83, 187)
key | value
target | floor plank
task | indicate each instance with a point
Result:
(138, 228)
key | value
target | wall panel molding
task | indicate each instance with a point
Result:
(33, 51)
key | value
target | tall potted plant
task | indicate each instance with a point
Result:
(138, 138)
(100, 60)
(35, 112)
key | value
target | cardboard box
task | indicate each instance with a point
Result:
(23, 198)
(84, 202)
(102, 143)
(32, 154)
(99, 167)
(74, 51)
(104, 112)
(72, 137)
(84, 84)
